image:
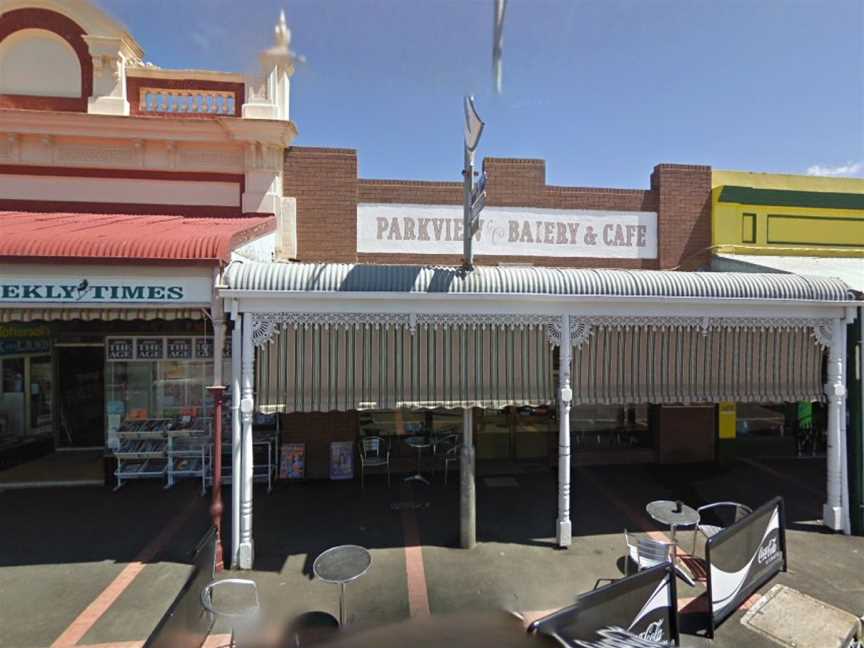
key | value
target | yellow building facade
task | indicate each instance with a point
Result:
(809, 225)
(787, 215)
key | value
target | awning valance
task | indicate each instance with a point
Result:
(357, 366)
(95, 314)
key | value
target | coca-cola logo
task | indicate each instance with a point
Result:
(768, 552)
(654, 631)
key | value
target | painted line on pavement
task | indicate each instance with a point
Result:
(93, 612)
(415, 572)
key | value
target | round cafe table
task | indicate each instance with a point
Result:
(418, 442)
(664, 511)
(341, 565)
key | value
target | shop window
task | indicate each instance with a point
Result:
(610, 427)
(748, 228)
(138, 389)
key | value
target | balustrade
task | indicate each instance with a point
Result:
(190, 102)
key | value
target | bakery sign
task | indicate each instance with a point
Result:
(507, 231)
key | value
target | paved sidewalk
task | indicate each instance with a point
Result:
(86, 567)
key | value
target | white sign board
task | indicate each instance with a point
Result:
(508, 231)
(89, 285)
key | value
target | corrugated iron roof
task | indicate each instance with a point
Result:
(307, 277)
(26, 236)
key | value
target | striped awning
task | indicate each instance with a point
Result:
(356, 367)
(619, 366)
(93, 314)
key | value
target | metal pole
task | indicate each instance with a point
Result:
(247, 405)
(216, 506)
(342, 604)
(835, 389)
(467, 488)
(565, 529)
(236, 437)
(468, 189)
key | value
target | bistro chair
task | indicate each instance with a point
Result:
(715, 517)
(243, 620)
(645, 553)
(373, 453)
(451, 454)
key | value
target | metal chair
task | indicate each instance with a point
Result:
(723, 513)
(373, 454)
(452, 452)
(243, 620)
(645, 553)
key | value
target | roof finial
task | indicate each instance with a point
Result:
(283, 34)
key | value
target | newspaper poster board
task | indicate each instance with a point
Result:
(341, 460)
(743, 557)
(292, 461)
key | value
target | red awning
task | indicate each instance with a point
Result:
(30, 236)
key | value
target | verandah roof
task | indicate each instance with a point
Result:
(405, 357)
(508, 280)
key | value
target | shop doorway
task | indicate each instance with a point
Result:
(81, 414)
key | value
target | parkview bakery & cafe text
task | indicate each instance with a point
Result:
(437, 229)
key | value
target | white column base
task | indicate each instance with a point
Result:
(832, 517)
(245, 555)
(565, 534)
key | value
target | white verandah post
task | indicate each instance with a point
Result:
(236, 435)
(834, 513)
(565, 531)
(245, 551)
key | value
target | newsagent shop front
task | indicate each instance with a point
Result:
(341, 338)
(100, 360)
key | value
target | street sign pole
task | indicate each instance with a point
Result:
(474, 197)
(468, 172)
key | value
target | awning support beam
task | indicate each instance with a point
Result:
(565, 531)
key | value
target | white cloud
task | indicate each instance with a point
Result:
(849, 170)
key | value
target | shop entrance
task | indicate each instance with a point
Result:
(81, 416)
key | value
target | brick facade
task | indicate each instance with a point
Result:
(325, 184)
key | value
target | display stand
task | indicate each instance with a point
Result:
(169, 449)
(143, 450)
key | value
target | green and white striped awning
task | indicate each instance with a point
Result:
(621, 366)
(356, 367)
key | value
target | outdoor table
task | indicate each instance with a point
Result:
(418, 442)
(341, 565)
(664, 511)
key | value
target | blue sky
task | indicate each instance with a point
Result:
(603, 90)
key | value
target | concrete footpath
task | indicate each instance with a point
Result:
(89, 567)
